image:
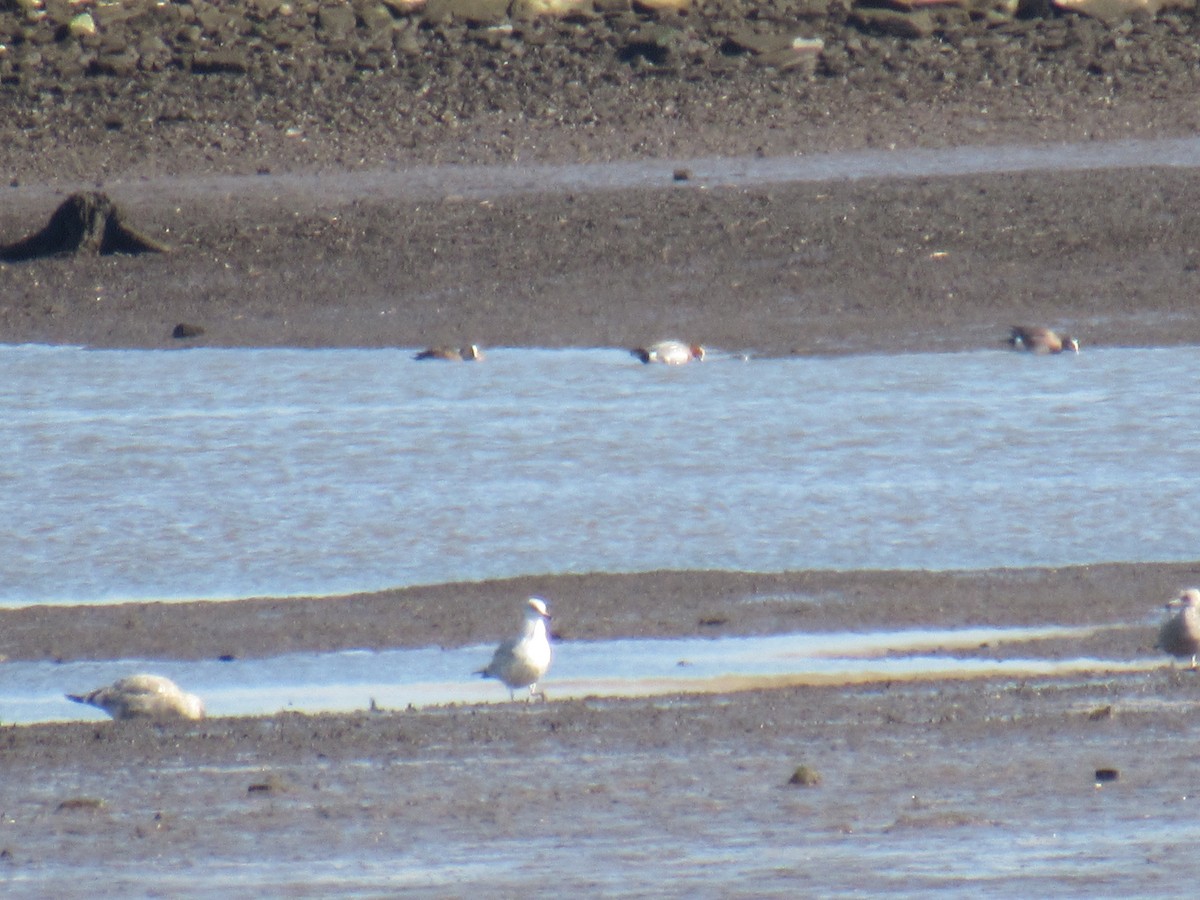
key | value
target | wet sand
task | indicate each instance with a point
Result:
(608, 606)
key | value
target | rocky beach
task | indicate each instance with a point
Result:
(241, 135)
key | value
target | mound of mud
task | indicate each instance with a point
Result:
(83, 223)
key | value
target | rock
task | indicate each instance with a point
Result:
(472, 12)
(1112, 11)
(82, 24)
(889, 21)
(184, 331)
(123, 64)
(211, 62)
(377, 19)
(336, 21)
(805, 776)
(660, 5)
(533, 9)
(654, 44)
(800, 53)
(88, 223)
(748, 41)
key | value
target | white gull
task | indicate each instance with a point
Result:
(144, 697)
(1180, 634)
(523, 660)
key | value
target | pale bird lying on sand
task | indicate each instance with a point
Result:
(523, 660)
(454, 354)
(671, 353)
(144, 697)
(1180, 634)
(1041, 340)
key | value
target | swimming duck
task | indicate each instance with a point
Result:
(456, 354)
(671, 353)
(1041, 340)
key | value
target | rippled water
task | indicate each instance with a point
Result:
(232, 473)
(237, 473)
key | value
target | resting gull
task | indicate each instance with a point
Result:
(1180, 634)
(144, 697)
(523, 660)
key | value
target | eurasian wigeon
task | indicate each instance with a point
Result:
(1041, 340)
(469, 353)
(671, 353)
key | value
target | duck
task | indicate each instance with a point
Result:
(522, 661)
(470, 353)
(143, 697)
(671, 353)
(1036, 339)
(1180, 634)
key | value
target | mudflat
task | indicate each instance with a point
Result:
(236, 153)
(245, 162)
(898, 785)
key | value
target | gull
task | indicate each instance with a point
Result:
(523, 660)
(1180, 634)
(1041, 340)
(144, 697)
(455, 354)
(671, 353)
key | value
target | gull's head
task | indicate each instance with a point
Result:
(536, 608)
(697, 352)
(1070, 343)
(1188, 599)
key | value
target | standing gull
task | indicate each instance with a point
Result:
(144, 697)
(523, 660)
(671, 353)
(1180, 634)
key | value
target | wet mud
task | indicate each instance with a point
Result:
(943, 784)
(694, 791)
(900, 264)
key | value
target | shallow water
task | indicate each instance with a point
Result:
(482, 182)
(234, 473)
(396, 679)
